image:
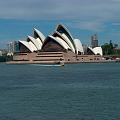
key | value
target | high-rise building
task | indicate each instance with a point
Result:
(94, 41)
(13, 47)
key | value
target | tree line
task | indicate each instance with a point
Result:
(110, 49)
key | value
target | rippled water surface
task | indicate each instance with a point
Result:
(72, 92)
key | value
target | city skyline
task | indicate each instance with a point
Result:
(83, 18)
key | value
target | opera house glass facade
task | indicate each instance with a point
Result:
(55, 47)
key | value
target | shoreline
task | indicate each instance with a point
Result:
(54, 63)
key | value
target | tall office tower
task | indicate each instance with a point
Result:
(13, 47)
(16, 46)
(94, 41)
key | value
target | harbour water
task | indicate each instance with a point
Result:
(73, 92)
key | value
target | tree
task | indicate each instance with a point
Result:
(107, 48)
(110, 49)
(111, 44)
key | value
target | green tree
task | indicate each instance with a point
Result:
(107, 48)
(110, 49)
(111, 44)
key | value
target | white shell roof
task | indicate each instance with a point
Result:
(98, 50)
(63, 43)
(67, 36)
(69, 42)
(34, 44)
(91, 50)
(29, 45)
(66, 30)
(41, 36)
(64, 38)
(60, 41)
(33, 47)
(37, 42)
(78, 45)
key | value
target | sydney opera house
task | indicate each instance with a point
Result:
(57, 47)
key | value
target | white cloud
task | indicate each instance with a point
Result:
(116, 24)
(59, 9)
(92, 14)
(95, 26)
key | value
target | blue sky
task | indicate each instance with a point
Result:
(82, 17)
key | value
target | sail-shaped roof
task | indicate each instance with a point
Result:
(66, 34)
(37, 42)
(96, 50)
(38, 34)
(78, 45)
(29, 45)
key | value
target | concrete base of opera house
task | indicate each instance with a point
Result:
(53, 58)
